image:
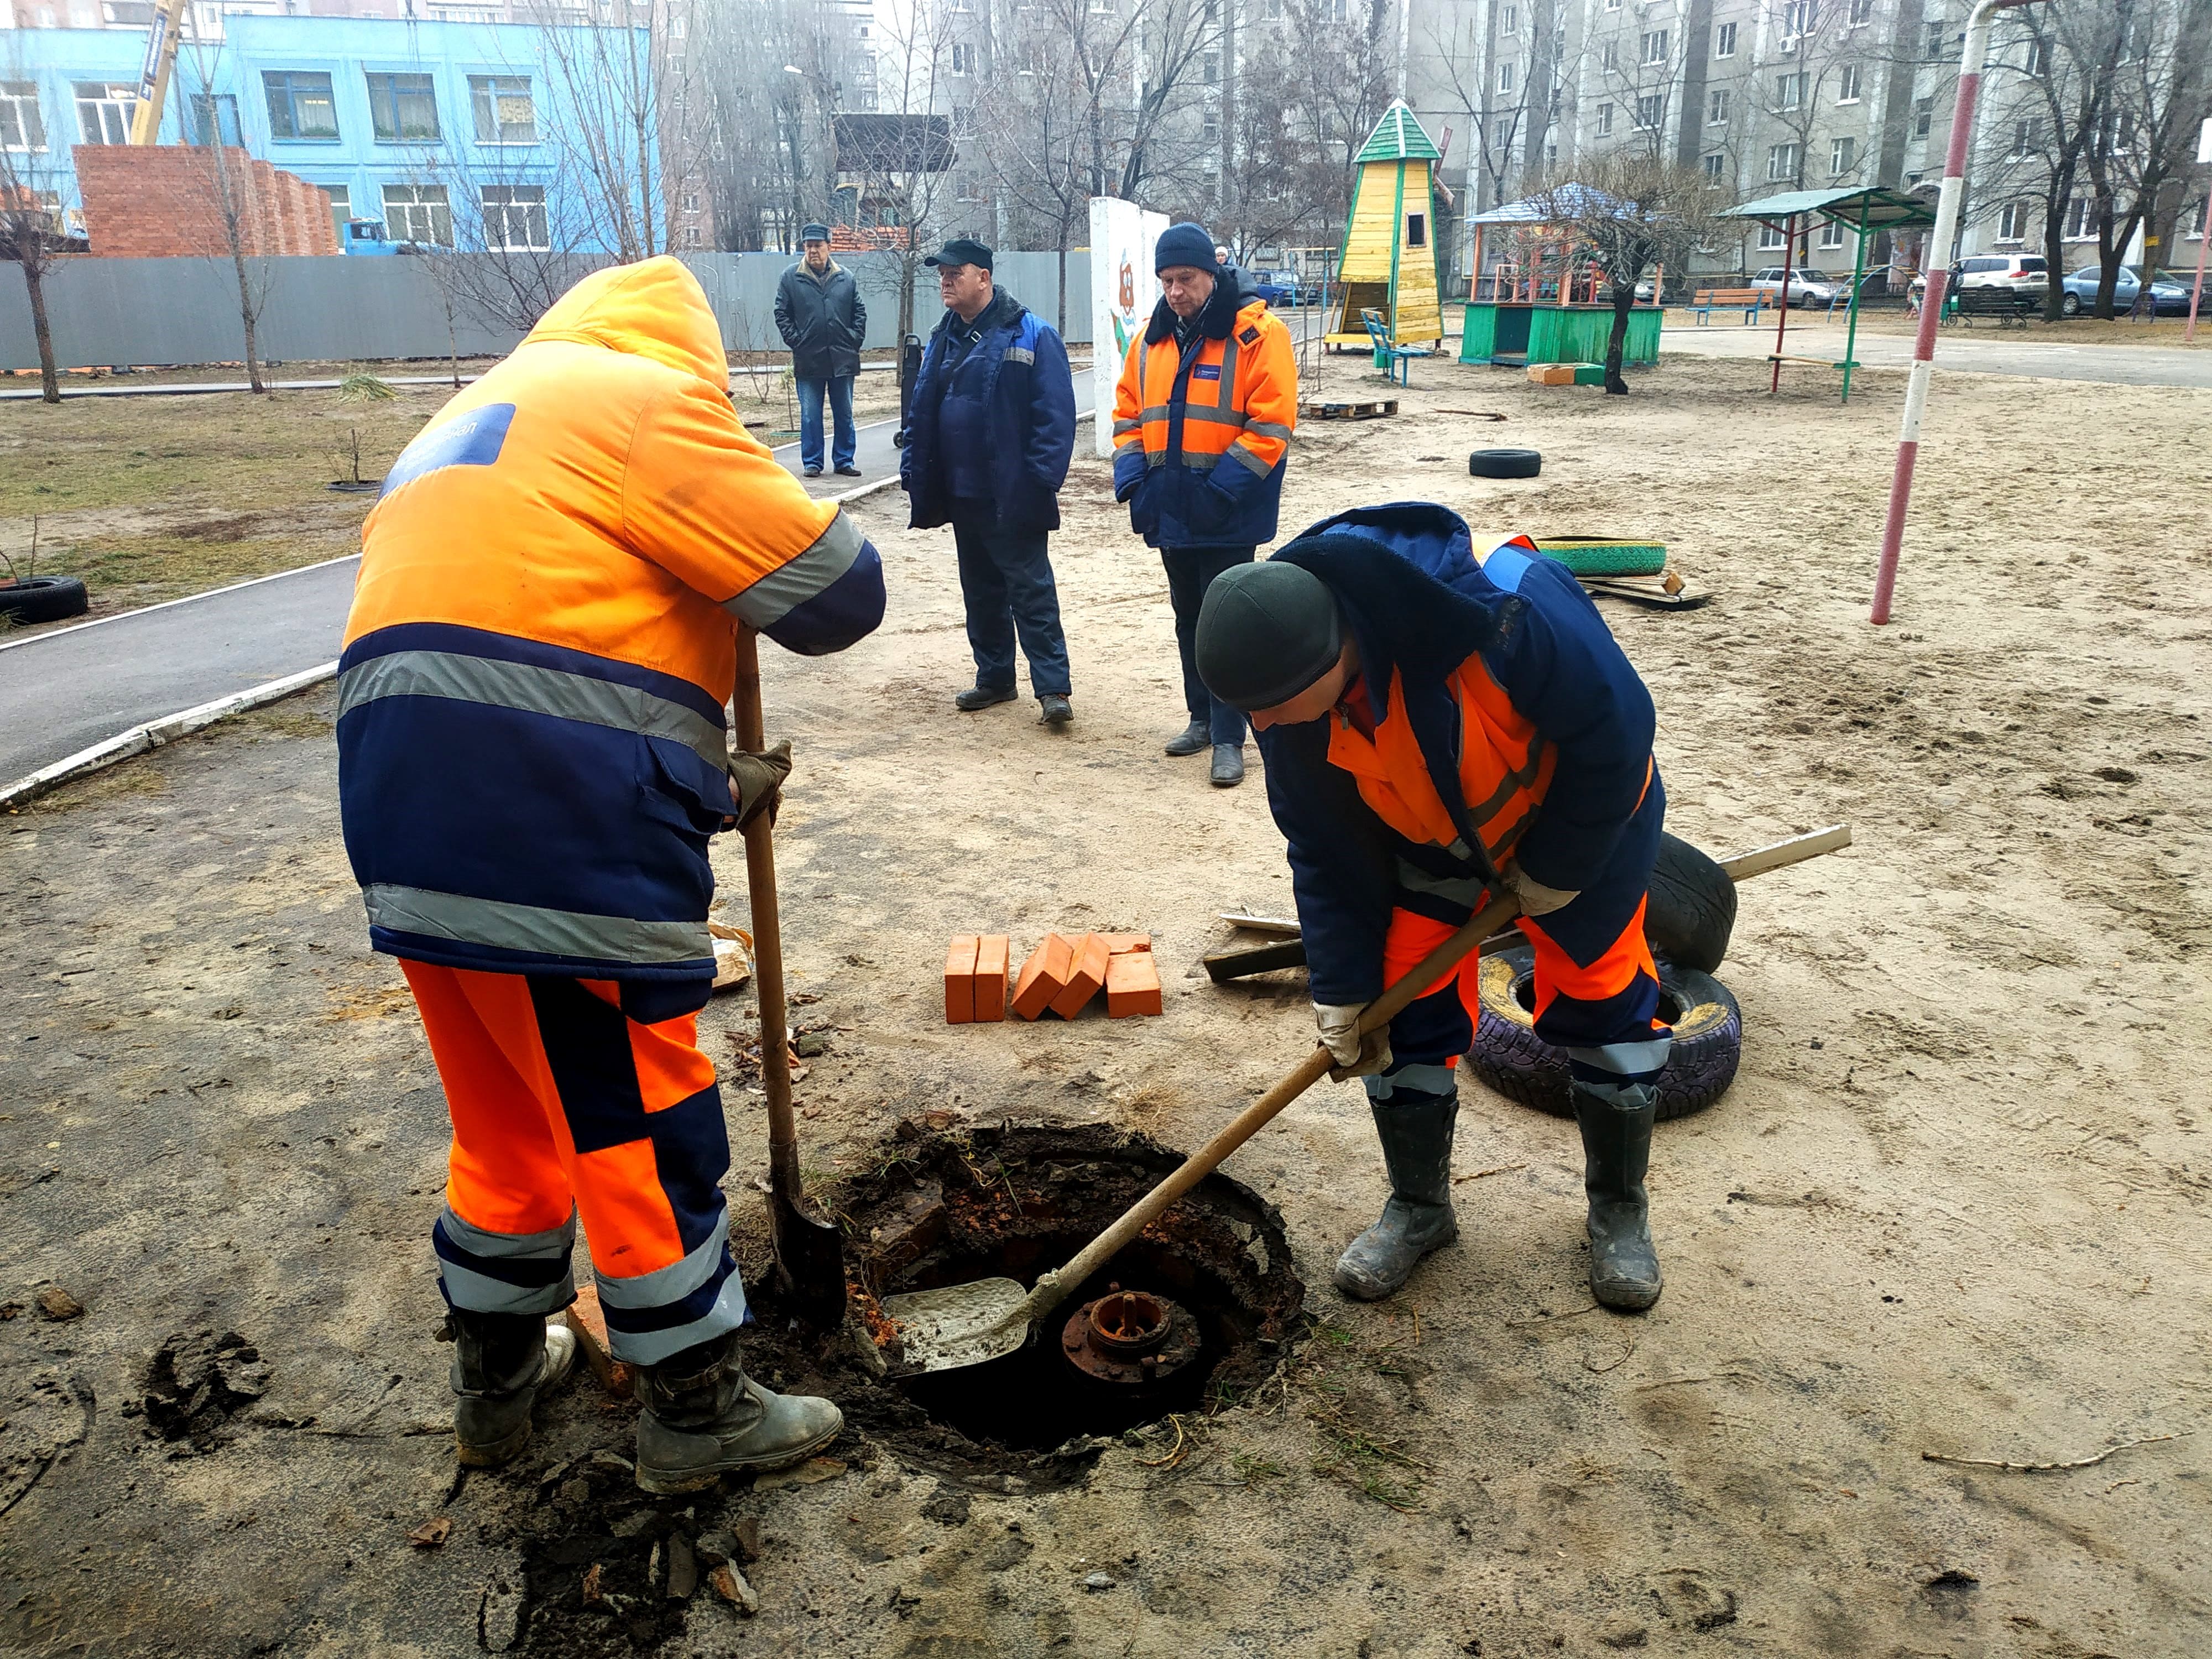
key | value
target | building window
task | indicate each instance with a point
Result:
(1725, 40)
(21, 125)
(2012, 222)
(1509, 20)
(299, 105)
(1939, 39)
(1847, 84)
(1797, 18)
(1769, 237)
(1417, 230)
(419, 213)
(505, 112)
(103, 112)
(1210, 125)
(2024, 137)
(1782, 162)
(1506, 77)
(1832, 235)
(1843, 156)
(1604, 118)
(1716, 107)
(1923, 116)
(403, 108)
(964, 58)
(1213, 69)
(514, 218)
(2038, 58)
(2081, 219)
(1861, 12)
(691, 201)
(1716, 168)
(341, 207)
(2196, 231)
(1655, 46)
(1789, 91)
(1650, 111)
(1611, 56)
(215, 118)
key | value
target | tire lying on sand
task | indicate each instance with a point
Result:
(1690, 909)
(1512, 1060)
(1604, 556)
(1505, 463)
(43, 598)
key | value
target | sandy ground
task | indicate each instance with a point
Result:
(1953, 1204)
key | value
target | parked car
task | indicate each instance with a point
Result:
(1282, 288)
(1809, 285)
(2185, 281)
(2169, 291)
(2027, 275)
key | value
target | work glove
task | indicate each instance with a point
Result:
(1355, 1056)
(1536, 899)
(757, 782)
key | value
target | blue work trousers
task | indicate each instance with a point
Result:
(1191, 571)
(810, 423)
(1006, 579)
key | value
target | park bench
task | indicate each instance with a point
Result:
(2002, 303)
(1749, 301)
(1393, 360)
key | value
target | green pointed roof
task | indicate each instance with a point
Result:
(1398, 136)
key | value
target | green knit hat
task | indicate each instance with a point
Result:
(1265, 633)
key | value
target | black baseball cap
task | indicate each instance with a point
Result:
(961, 250)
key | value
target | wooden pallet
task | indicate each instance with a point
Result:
(1371, 409)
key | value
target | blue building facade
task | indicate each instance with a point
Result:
(455, 135)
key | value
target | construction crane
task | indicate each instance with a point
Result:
(154, 74)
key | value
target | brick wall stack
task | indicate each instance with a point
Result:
(162, 201)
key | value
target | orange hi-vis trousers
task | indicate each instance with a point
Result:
(563, 1105)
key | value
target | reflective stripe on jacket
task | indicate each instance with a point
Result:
(532, 750)
(1202, 431)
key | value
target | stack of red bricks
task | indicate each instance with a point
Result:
(163, 201)
(1063, 976)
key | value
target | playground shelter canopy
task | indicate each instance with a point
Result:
(1865, 209)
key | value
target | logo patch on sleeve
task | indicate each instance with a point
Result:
(471, 439)
(1250, 335)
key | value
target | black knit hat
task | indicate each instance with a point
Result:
(1185, 244)
(1265, 633)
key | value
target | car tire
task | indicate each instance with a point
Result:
(2071, 305)
(1507, 1056)
(1505, 463)
(1689, 909)
(43, 598)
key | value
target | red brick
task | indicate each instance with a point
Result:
(992, 953)
(590, 1325)
(960, 979)
(1121, 943)
(1086, 975)
(1133, 984)
(1043, 977)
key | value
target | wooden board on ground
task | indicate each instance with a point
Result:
(1369, 410)
(1651, 591)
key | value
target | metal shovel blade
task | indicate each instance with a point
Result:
(957, 1324)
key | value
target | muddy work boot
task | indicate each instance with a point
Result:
(704, 1418)
(502, 1363)
(1416, 1131)
(1616, 1124)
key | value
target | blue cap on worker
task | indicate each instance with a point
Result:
(1185, 244)
(961, 250)
(814, 233)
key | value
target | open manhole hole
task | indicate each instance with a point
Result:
(1197, 1310)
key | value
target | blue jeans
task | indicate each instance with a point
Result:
(1006, 579)
(1191, 571)
(810, 422)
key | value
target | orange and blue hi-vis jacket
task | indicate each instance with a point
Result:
(1202, 426)
(532, 752)
(1506, 720)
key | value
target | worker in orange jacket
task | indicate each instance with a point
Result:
(1202, 421)
(531, 759)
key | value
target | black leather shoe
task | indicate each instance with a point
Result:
(1192, 738)
(1228, 765)
(813, 471)
(982, 696)
(848, 472)
(1055, 709)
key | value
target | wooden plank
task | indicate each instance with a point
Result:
(1285, 925)
(1796, 850)
(1647, 590)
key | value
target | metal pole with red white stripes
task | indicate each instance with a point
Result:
(1938, 263)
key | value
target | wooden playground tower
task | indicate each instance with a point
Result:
(1390, 259)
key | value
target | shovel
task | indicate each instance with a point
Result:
(809, 1257)
(959, 1325)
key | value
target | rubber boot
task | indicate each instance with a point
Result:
(502, 1363)
(1616, 1125)
(704, 1418)
(1416, 1132)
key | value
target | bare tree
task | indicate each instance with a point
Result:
(31, 230)
(610, 77)
(238, 207)
(1630, 211)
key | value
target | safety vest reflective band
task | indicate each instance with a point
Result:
(1505, 768)
(1239, 398)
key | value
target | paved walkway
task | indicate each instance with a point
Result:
(1959, 351)
(64, 691)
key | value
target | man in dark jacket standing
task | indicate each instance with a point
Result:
(819, 314)
(988, 440)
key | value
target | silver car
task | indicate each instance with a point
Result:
(1809, 285)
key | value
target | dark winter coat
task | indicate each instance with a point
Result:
(1028, 399)
(821, 320)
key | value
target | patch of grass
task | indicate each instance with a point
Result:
(281, 720)
(1375, 1464)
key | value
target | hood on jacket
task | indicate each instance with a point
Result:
(1233, 290)
(653, 309)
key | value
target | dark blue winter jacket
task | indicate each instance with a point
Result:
(1407, 578)
(1028, 399)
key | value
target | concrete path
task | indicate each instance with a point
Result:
(873, 453)
(1983, 351)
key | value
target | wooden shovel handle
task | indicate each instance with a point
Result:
(767, 942)
(1055, 1287)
